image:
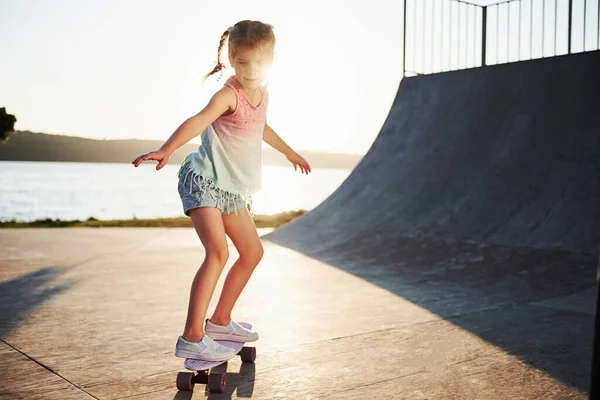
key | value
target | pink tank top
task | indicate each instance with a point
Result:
(231, 151)
(247, 120)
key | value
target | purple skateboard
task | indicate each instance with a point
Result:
(216, 382)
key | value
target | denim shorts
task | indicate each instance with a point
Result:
(196, 191)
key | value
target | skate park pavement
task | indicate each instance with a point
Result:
(95, 313)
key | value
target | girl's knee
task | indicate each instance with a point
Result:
(260, 252)
(254, 255)
(218, 254)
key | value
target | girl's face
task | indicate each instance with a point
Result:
(251, 64)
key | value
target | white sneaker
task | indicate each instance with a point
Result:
(233, 332)
(206, 350)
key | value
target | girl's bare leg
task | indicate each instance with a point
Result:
(209, 226)
(242, 232)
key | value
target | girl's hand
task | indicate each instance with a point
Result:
(297, 160)
(162, 156)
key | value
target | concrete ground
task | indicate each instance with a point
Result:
(95, 314)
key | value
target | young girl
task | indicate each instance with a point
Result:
(217, 180)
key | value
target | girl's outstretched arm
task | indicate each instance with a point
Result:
(221, 102)
(273, 140)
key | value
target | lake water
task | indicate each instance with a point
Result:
(66, 190)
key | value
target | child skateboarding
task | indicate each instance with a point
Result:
(216, 183)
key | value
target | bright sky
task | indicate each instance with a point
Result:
(133, 68)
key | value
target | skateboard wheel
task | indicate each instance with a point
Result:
(185, 381)
(217, 382)
(248, 354)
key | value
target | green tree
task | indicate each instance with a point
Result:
(7, 124)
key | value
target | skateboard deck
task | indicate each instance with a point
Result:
(216, 382)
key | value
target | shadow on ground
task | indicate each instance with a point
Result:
(20, 296)
(537, 305)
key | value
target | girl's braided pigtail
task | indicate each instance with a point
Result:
(219, 67)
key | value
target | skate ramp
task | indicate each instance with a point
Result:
(508, 154)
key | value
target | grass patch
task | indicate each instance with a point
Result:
(261, 221)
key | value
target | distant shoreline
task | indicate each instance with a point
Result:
(31, 146)
(260, 220)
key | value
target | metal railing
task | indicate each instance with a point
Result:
(447, 35)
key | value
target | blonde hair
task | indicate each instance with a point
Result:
(243, 34)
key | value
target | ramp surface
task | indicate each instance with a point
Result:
(508, 154)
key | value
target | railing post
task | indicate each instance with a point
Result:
(584, 21)
(543, 25)
(432, 36)
(555, 24)
(484, 36)
(508, 32)
(570, 24)
(404, 45)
